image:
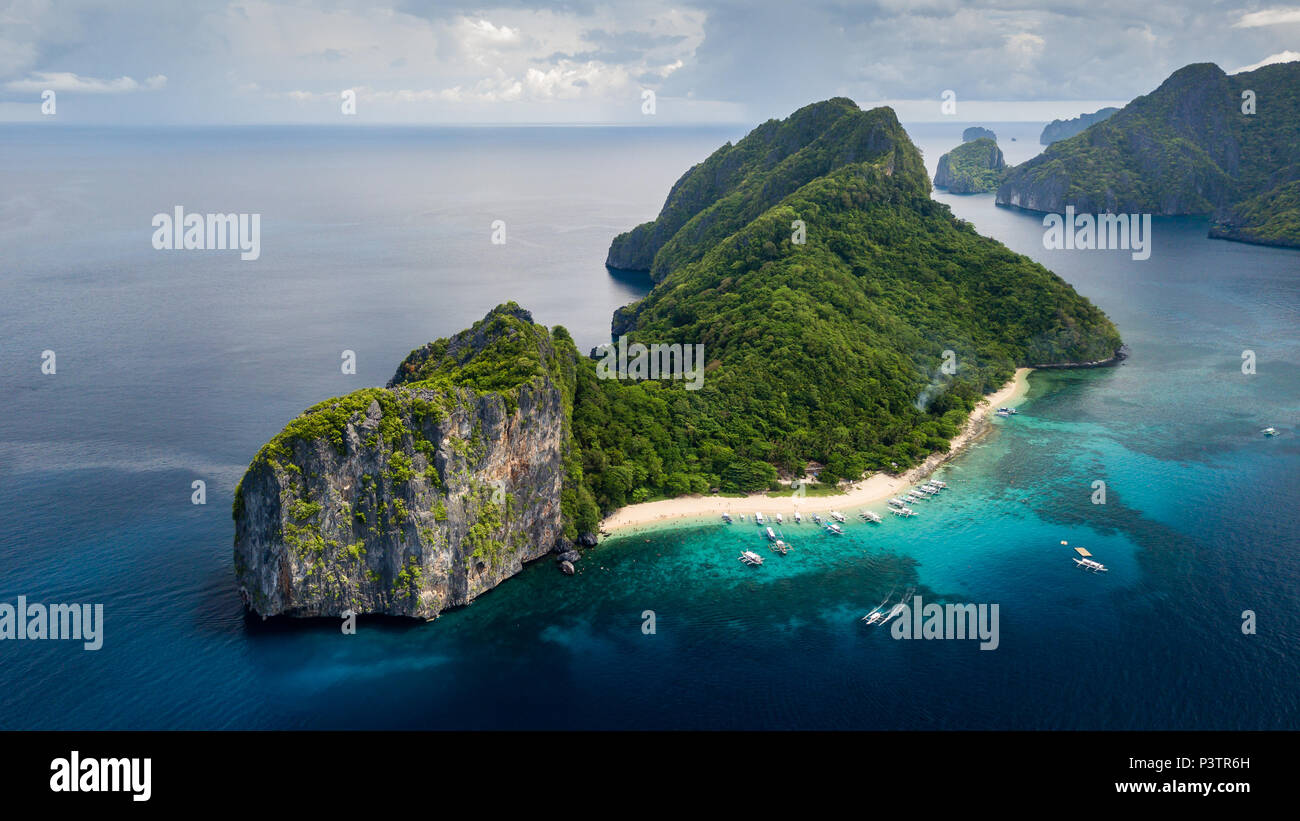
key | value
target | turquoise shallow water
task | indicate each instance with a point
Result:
(175, 371)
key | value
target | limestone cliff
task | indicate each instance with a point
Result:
(417, 497)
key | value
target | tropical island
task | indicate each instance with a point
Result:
(1203, 143)
(974, 167)
(847, 319)
(978, 132)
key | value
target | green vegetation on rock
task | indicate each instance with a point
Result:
(828, 349)
(1192, 146)
(973, 167)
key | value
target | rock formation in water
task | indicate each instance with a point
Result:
(971, 168)
(976, 132)
(419, 496)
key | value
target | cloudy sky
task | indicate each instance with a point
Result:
(430, 61)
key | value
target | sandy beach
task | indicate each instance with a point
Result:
(875, 488)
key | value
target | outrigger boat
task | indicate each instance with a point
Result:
(837, 516)
(893, 611)
(902, 511)
(798, 518)
(780, 547)
(771, 535)
(870, 516)
(938, 484)
(1088, 563)
(726, 517)
(896, 502)
(751, 558)
(877, 614)
(779, 520)
(817, 518)
(836, 529)
(758, 517)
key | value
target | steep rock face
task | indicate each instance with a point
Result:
(977, 132)
(971, 168)
(406, 500)
(1189, 147)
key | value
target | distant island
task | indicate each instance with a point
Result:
(971, 168)
(1058, 130)
(976, 132)
(846, 318)
(1203, 143)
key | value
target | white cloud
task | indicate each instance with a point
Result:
(1024, 48)
(485, 31)
(1280, 57)
(1268, 17)
(66, 81)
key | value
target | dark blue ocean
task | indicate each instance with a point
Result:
(177, 366)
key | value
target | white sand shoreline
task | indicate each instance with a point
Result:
(875, 488)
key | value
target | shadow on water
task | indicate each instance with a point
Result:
(639, 280)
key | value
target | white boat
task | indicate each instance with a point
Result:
(877, 614)
(751, 558)
(798, 517)
(938, 484)
(902, 511)
(726, 517)
(817, 518)
(836, 529)
(893, 611)
(837, 516)
(870, 516)
(896, 502)
(779, 520)
(1086, 561)
(780, 547)
(1269, 431)
(771, 535)
(758, 517)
